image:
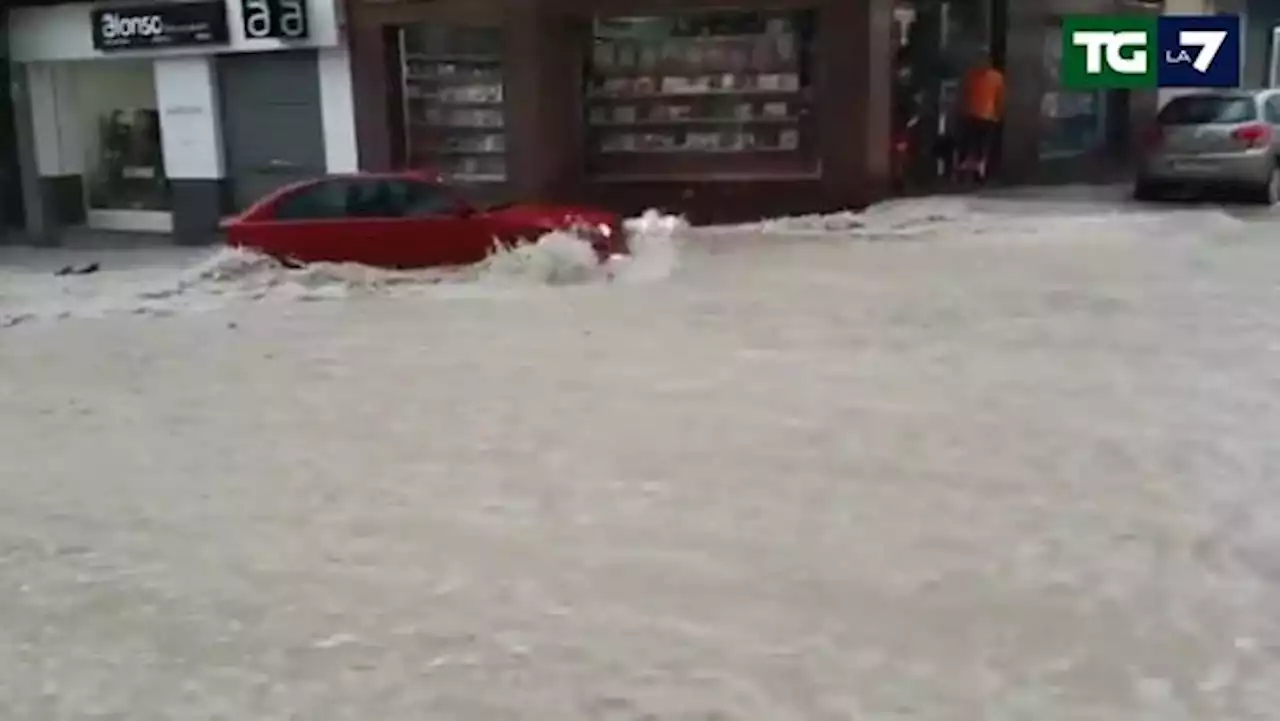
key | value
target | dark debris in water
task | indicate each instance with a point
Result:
(79, 269)
(10, 321)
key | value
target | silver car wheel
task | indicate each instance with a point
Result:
(1273, 186)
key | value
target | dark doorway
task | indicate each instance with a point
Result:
(11, 208)
(272, 129)
(936, 42)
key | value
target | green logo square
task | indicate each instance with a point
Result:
(1103, 52)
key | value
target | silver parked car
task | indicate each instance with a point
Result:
(1217, 140)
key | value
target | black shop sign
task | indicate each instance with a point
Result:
(174, 25)
(274, 19)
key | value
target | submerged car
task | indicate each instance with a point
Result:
(404, 220)
(1225, 140)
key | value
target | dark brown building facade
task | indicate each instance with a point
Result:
(722, 109)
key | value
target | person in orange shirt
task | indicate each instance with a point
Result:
(982, 95)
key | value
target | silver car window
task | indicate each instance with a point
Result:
(1273, 110)
(1203, 109)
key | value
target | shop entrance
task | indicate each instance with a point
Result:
(11, 210)
(124, 178)
(272, 129)
(935, 43)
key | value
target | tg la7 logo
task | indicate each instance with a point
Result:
(1130, 52)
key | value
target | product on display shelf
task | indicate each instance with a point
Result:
(626, 57)
(650, 56)
(672, 52)
(723, 92)
(453, 93)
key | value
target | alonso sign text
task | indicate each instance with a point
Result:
(142, 27)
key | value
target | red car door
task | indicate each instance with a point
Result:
(306, 225)
(434, 228)
(380, 221)
(340, 220)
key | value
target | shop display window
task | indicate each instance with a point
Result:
(454, 116)
(1073, 122)
(701, 94)
(124, 157)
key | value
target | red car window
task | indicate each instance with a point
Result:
(416, 199)
(371, 198)
(324, 200)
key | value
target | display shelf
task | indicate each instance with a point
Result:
(717, 93)
(709, 94)
(456, 128)
(454, 101)
(465, 151)
(699, 143)
(681, 122)
(693, 151)
(728, 177)
(693, 86)
(456, 58)
(478, 178)
(446, 101)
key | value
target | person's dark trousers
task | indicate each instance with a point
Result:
(979, 139)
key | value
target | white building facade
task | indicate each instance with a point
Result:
(165, 116)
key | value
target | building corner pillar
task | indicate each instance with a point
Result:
(35, 223)
(855, 61)
(191, 137)
(1026, 84)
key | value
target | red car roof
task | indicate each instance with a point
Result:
(423, 175)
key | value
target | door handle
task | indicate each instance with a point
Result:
(278, 164)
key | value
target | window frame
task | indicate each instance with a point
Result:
(296, 193)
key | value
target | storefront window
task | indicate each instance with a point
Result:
(124, 168)
(1073, 122)
(453, 93)
(966, 34)
(701, 94)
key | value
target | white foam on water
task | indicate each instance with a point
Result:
(1006, 219)
(237, 275)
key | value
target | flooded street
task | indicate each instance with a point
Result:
(945, 463)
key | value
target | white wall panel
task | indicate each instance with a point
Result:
(71, 149)
(190, 129)
(44, 118)
(337, 105)
(52, 96)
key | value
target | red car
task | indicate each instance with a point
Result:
(403, 220)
